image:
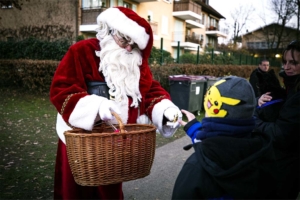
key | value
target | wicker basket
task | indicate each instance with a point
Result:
(103, 157)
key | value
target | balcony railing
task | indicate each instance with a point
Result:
(89, 15)
(212, 28)
(187, 5)
(217, 31)
(182, 37)
(194, 38)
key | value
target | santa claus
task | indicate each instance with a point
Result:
(118, 58)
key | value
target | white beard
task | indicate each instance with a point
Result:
(121, 70)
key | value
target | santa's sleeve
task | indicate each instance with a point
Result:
(68, 91)
(157, 101)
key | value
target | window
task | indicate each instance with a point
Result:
(264, 45)
(164, 24)
(126, 5)
(91, 3)
(6, 5)
(203, 18)
(250, 45)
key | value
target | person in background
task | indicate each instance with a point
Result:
(262, 68)
(118, 58)
(229, 162)
(285, 130)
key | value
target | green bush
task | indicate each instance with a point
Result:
(35, 49)
(30, 75)
(79, 37)
(206, 58)
(155, 57)
(188, 58)
(36, 75)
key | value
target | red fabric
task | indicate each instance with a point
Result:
(65, 186)
(143, 23)
(79, 65)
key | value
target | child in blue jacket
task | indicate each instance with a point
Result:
(229, 162)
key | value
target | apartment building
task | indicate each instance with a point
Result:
(186, 25)
(178, 26)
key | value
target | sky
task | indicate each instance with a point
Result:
(261, 16)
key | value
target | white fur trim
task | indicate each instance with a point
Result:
(123, 107)
(143, 119)
(116, 19)
(157, 117)
(61, 127)
(85, 114)
(86, 111)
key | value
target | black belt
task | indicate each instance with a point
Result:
(98, 88)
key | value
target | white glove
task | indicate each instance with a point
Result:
(105, 110)
(173, 114)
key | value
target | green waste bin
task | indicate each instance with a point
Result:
(187, 91)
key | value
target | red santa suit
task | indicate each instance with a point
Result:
(77, 108)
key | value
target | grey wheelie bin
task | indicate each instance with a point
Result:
(210, 80)
(187, 91)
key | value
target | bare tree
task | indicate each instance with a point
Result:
(284, 11)
(241, 16)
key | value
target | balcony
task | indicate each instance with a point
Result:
(216, 32)
(194, 24)
(89, 18)
(187, 10)
(190, 42)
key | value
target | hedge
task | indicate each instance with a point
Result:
(36, 75)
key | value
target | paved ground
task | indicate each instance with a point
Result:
(159, 184)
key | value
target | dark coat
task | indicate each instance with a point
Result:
(225, 167)
(268, 82)
(253, 79)
(285, 131)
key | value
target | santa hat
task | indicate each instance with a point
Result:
(129, 23)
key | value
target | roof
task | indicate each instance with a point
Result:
(209, 9)
(272, 24)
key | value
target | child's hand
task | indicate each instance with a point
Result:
(190, 117)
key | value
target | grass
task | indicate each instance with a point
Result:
(28, 145)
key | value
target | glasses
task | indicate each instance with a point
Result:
(122, 42)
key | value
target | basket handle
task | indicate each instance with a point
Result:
(121, 125)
